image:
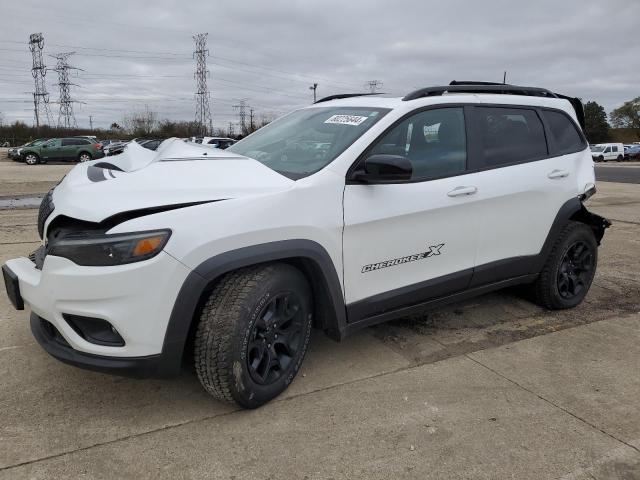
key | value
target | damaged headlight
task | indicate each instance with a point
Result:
(106, 250)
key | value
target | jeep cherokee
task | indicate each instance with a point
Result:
(355, 210)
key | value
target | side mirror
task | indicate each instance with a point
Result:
(384, 167)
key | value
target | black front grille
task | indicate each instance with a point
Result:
(46, 207)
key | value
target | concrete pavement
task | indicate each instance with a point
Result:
(491, 388)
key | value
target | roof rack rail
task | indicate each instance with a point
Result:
(346, 95)
(486, 87)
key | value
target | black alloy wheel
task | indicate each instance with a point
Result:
(576, 270)
(275, 339)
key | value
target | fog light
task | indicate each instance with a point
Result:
(95, 330)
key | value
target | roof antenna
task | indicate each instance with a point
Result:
(504, 78)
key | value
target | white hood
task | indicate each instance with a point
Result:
(177, 173)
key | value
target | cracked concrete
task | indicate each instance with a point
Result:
(491, 388)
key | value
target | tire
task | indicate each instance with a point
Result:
(31, 159)
(569, 270)
(84, 157)
(620, 158)
(601, 158)
(231, 360)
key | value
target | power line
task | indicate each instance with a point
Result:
(242, 113)
(39, 71)
(66, 117)
(203, 110)
(373, 85)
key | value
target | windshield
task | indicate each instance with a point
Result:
(597, 149)
(307, 140)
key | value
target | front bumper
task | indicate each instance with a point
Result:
(55, 345)
(136, 299)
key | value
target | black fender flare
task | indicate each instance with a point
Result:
(574, 210)
(316, 262)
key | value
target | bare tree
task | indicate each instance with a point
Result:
(141, 123)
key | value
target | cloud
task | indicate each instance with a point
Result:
(134, 54)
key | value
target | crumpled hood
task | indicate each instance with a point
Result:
(178, 173)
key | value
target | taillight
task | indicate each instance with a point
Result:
(98, 146)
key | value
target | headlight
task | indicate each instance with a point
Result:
(106, 250)
(18, 151)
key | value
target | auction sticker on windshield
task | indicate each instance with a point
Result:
(346, 119)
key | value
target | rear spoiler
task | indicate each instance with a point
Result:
(577, 106)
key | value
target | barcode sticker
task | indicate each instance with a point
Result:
(346, 119)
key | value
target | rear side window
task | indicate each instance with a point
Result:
(67, 141)
(509, 135)
(566, 137)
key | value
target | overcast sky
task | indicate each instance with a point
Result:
(136, 53)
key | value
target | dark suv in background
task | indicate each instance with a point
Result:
(58, 149)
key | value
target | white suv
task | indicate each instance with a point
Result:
(350, 212)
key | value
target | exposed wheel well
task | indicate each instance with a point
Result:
(597, 223)
(323, 314)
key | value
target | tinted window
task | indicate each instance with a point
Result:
(434, 141)
(509, 135)
(563, 132)
(67, 141)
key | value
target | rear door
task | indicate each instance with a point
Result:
(69, 148)
(523, 181)
(410, 241)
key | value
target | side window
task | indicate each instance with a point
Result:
(83, 142)
(565, 136)
(509, 135)
(434, 141)
(67, 141)
(607, 150)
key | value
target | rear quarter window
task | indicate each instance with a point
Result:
(564, 134)
(509, 136)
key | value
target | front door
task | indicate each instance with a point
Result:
(51, 149)
(411, 241)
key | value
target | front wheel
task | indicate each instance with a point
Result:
(31, 159)
(253, 334)
(569, 270)
(84, 157)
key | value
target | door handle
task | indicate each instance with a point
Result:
(558, 174)
(460, 191)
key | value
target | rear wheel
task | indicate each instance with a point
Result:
(620, 158)
(569, 270)
(84, 157)
(253, 334)
(31, 159)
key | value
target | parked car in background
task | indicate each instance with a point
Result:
(115, 147)
(632, 153)
(64, 149)
(14, 153)
(218, 142)
(149, 143)
(603, 152)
